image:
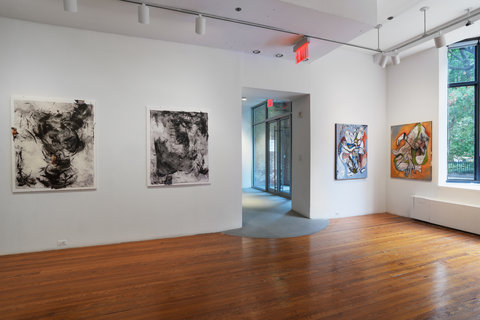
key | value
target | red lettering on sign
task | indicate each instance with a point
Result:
(301, 53)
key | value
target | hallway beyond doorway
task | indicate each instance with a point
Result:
(269, 216)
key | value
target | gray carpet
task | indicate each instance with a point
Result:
(268, 216)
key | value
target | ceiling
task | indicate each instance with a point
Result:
(256, 96)
(119, 17)
(410, 24)
(342, 20)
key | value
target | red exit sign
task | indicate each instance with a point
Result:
(301, 53)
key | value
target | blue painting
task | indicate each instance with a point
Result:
(350, 151)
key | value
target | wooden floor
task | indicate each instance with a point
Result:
(369, 267)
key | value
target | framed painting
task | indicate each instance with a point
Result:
(350, 151)
(411, 151)
(177, 148)
(53, 144)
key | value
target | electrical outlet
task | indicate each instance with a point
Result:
(61, 243)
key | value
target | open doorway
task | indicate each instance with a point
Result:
(276, 165)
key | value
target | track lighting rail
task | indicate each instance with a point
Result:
(246, 23)
(444, 28)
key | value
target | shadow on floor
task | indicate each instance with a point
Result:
(268, 216)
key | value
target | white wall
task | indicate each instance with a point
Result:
(301, 155)
(418, 92)
(345, 87)
(247, 145)
(412, 97)
(123, 75)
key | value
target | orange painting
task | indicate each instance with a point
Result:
(411, 155)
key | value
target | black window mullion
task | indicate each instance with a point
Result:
(477, 117)
(463, 84)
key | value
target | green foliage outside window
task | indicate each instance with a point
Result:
(461, 64)
(461, 112)
(461, 123)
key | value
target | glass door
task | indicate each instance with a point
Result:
(259, 156)
(279, 156)
(284, 155)
(272, 148)
(273, 139)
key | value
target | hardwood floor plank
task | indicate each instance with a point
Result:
(368, 267)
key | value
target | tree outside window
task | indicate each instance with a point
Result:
(463, 111)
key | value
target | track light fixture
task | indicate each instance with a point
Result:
(70, 5)
(383, 60)
(395, 58)
(143, 14)
(440, 38)
(440, 41)
(244, 22)
(469, 22)
(381, 55)
(463, 20)
(200, 25)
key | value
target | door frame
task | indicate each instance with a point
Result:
(267, 121)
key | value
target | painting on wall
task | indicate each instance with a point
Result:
(411, 156)
(351, 151)
(53, 144)
(177, 148)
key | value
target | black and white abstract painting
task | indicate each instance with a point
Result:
(53, 144)
(177, 151)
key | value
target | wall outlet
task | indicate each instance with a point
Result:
(61, 243)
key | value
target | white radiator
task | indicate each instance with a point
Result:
(459, 216)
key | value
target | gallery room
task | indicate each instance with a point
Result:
(240, 159)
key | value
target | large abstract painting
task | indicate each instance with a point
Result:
(351, 151)
(177, 147)
(411, 156)
(53, 144)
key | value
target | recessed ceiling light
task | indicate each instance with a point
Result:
(256, 51)
(279, 55)
(244, 98)
(238, 9)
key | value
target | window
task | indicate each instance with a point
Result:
(463, 112)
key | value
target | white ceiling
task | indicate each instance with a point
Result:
(119, 17)
(410, 23)
(343, 20)
(371, 12)
(256, 96)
